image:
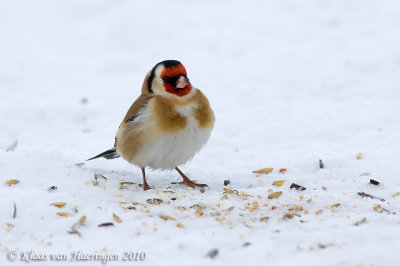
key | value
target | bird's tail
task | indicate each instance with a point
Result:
(108, 154)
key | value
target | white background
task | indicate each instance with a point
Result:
(291, 82)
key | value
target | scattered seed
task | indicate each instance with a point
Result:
(297, 187)
(365, 174)
(263, 171)
(116, 218)
(379, 208)
(374, 182)
(15, 211)
(212, 253)
(396, 194)
(251, 207)
(63, 214)
(282, 170)
(365, 195)
(334, 205)
(105, 224)
(168, 191)
(227, 182)
(228, 190)
(324, 188)
(318, 212)
(295, 208)
(122, 185)
(130, 183)
(154, 201)
(167, 218)
(275, 195)
(198, 206)
(243, 195)
(9, 226)
(82, 220)
(290, 215)
(59, 204)
(278, 183)
(52, 188)
(359, 156)
(199, 212)
(180, 225)
(97, 176)
(363, 221)
(264, 219)
(321, 164)
(73, 231)
(12, 182)
(79, 164)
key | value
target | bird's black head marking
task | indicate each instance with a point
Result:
(170, 63)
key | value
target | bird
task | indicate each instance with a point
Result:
(166, 125)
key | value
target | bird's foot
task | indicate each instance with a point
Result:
(146, 187)
(192, 184)
(186, 181)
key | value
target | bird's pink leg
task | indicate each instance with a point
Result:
(186, 181)
(145, 185)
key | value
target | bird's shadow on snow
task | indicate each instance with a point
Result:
(156, 179)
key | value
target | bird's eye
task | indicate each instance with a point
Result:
(166, 79)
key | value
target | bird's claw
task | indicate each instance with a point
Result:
(192, 184)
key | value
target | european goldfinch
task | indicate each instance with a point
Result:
(167, 125)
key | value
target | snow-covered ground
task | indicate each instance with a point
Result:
(291, 82)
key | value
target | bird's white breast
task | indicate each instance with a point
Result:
(167, 151)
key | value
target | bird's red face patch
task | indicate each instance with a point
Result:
(170, 75)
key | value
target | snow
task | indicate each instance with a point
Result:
(291, 82)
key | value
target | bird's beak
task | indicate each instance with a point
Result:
(182, 82)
